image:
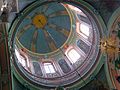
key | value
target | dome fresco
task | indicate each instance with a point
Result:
(45, 28)
(55, 43)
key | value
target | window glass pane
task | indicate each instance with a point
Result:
(83, 46)
(37, 69)
(17, 53)
(73, 55)
(49, 68)
(20, 58)
(22, 61)
(84, 29)
(64, 66)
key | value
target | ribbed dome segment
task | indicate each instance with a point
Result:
(45, 29)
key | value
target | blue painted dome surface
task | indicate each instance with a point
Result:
(45, 29)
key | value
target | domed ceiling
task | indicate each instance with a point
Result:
(45, 29)
(55, 43)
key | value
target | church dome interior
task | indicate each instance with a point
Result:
(56, 43)
(61, 45)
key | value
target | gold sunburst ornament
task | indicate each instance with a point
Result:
(39, 21)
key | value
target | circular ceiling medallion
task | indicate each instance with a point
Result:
(39, 21)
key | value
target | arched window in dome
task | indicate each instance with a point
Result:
(20, 58)
(84, 28)
(49, 68)
(37, 69)
(73, 55)
(64, 66)
(83, 46)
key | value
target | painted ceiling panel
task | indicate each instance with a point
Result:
(25, 39)
(58, 37)
(61, 21)
(42, 45)
(53, 8)
(45, 29)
